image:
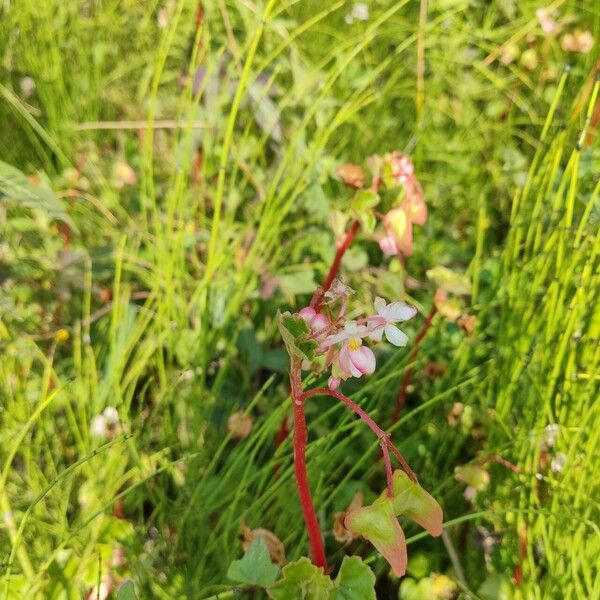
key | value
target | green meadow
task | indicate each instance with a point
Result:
(169, 181)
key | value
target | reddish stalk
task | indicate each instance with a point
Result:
(383, 437)
(401, 400)
(317, 298)
(315, 538)
(388, 468)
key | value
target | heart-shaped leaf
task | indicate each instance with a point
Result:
(355, 581)
(301, 580)
(255, 567)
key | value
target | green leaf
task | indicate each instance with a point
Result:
(495, 587)
(126, 591)
(413, 590)
(449, 281)
(364, 200)
(301, 580)
(368, 222)
(296, 336)
(255, 567)
(17, 189)
(355, 581)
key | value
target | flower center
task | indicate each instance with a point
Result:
(354, 343)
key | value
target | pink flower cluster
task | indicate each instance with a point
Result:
(340, 341)
(399, 221)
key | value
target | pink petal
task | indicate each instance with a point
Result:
(377, 333)
(318, 322)
(346, 364)
(333, 383)
(363, 359)
(307, 313)
(388, 246)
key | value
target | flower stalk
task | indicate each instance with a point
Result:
(315, 538)
(317, 298)
(322, 337)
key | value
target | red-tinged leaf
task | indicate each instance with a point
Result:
(412, 501)
(378, 524)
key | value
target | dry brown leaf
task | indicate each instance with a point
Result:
(274, 544)
(239, 424)
(340, 533)
(352, 175)
(467, 323)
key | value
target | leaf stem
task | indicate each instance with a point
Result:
(384, 438)
(317, 298)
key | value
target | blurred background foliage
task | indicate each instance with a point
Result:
(192, 148)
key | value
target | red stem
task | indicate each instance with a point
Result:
(401, 400)
(389, 477)
(317, 298)
(300, 438)
(382, 435)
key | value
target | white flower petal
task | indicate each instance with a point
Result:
(399, 311)
(377, 333)
(394, 336)
(379, 304)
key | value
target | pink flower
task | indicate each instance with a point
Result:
(547, 21)
(400, 220)
(387, 315)
(402, 167)
(354, 359)
(388, 245)
(316, 321)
